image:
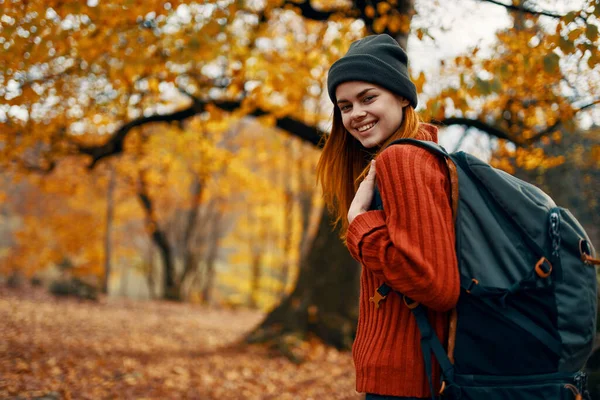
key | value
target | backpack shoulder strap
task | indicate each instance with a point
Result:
(429, 343)
(431, 146)
(452, 172)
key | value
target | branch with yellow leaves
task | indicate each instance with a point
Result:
(114, 145)
(558, 123)
(501, 134)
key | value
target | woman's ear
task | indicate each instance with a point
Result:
(404, 102)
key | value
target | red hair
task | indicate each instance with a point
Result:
(344, 163)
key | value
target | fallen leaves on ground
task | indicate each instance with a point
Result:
(118, 349)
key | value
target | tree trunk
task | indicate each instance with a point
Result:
(211, 258)
(255, 279)
(159, 237)
(150, 272)
(108, 229)
(190, 251)
(407, 9)
(287, 241)
(325, 300)
(171, 289)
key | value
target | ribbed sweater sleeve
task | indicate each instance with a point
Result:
(410, 244)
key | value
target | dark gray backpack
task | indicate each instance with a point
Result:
(525, 321)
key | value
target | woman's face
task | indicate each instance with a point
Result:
(369, 112)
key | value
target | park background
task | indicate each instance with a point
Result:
(161, 233)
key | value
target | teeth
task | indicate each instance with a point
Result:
(365, 127)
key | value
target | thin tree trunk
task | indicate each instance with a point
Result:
(257, 245)
(255, 279)
(287, 240)
(124, 282)
(170, 288)
(286, 176)
(190, 251)
(108, 228)
(150, 272)
(407, 9)
(213, 253)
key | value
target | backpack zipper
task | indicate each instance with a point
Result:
(579, 379)
(555, 234)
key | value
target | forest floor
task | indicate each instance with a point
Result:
(61, 348)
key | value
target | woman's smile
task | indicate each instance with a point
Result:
(366, 127)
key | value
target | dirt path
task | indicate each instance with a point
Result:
(115, 349)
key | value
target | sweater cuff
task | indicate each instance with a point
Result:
(362, 225)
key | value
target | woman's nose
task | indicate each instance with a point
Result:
(358, 112)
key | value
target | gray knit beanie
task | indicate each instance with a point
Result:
(377, 59)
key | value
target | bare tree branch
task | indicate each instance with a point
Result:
(309, 12)
(513, 7)
(501, 134)
(557, 124)
(115, 144)
(475, 123)
(590, 105)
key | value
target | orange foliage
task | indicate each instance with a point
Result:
(532, 87)
(153, 350)
(75, 74)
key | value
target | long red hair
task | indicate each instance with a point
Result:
(344, 162)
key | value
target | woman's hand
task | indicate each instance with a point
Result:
(364, 195)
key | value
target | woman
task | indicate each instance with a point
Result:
(409, 244)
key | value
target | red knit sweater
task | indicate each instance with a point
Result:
(409, 246)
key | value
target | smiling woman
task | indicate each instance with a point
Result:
(370, 113)
(409, 245)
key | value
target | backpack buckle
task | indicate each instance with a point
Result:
(543, 268)
(411, 304)
(586, 253)
(474, 282)
(377, 298)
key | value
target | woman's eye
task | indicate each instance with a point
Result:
(368, 99)
(345, 107)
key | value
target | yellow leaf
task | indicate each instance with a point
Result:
(379, 24)
(383, 7)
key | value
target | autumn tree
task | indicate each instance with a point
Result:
(83, 81)
(49, 207)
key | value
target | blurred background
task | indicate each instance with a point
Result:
(165, 151)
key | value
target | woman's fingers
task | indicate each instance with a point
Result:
(364, 194)
(370, 178)
(371, 174)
